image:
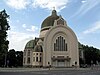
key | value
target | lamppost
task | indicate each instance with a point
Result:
(5, 59)
(91, 64)
(49, 65)
(82, 55)
(7, 63)
(0, 27)
(5, 48)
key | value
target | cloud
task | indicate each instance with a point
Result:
(95, 27)
(24, 25)
(86, 6)
(49, 4)
(18, 4)
(32, 29)
(45, 4)
(18, 40)
(17, 21)
(83, 1)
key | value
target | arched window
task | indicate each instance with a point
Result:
(28, 53)
(36, 59)
(28, 60)
(40, 59)
(60, 44)
(33, 59)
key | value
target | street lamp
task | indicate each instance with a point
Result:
(0, 27)
(49, 65)
(5, 55)
(5, 60)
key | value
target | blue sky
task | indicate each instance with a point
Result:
(26, 17)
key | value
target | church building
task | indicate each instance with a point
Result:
(56, 46)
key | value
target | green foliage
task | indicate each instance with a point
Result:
(3, 20)
(4, 26)
(91, 55)
(19, 58)
(14, 58)
(11, 57)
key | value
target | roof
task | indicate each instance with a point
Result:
(49, 21)
(38, 48)
(30, 44)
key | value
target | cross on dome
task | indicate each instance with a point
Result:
(53, 8)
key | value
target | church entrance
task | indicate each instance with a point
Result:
(60, 63)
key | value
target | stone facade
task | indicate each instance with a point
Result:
(58, 45)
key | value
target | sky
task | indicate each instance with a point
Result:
(26, 17)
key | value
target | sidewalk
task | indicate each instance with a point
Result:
(21, 69)
(37, 69)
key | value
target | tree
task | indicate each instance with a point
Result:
(4, 26)
(11, 57)
(14, 58)
(91, 55)
(19, 58)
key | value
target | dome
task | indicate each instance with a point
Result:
(38, 48)
(30, 44)
(49, 21)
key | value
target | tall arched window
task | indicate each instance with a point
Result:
(28, 53)
(60, 44)
(28, 60)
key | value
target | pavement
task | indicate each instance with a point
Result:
(20, 69)
(38, 69)
(46, 71)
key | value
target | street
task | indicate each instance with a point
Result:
(55, 72)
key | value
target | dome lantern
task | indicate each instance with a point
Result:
(54, 13)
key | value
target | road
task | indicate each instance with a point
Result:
(55, 72)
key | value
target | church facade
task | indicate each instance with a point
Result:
(56, 46)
